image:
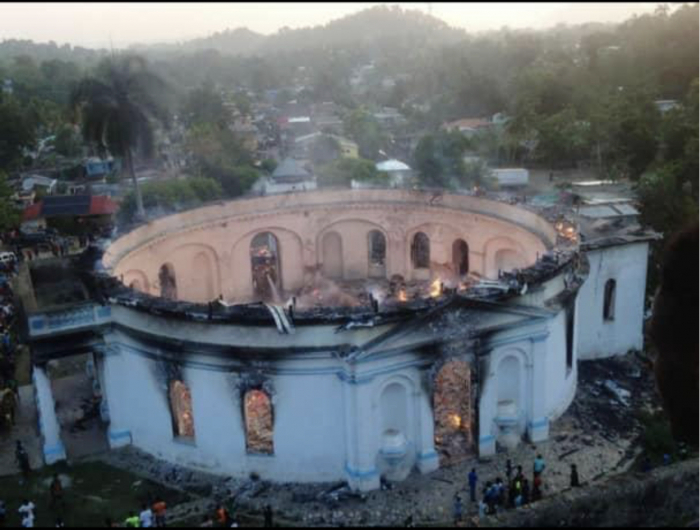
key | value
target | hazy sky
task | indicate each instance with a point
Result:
(92, 25)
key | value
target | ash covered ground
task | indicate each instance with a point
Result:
(600, 433)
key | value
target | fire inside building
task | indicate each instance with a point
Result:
(353, 335)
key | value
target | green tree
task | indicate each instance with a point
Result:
(16, 133)
(118, 110)
(10, 217)
(324, 149)
(364, 129)
(439, 159)
(68, 142)
(205, 105)
(171, 195)
(342, 171)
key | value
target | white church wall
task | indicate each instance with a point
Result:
(600, 338)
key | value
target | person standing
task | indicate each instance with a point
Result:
(22, 460)
(509, 471)
(159, 509)
(132, 521)
(56, 491)
(525, 493)
(222, 517)
(268, 516)
(457, 509)
(26, 511)
(146, 517)
(537, 488)
(473, 480)
(539, 466)
(574, 477)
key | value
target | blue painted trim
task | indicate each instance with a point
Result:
(104, 312)
(361, 475)
(428, 456)
(58, 449)
(486, 439)
(37, 323)
(539, 424)
(118, 435)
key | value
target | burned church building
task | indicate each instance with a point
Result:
(343, 335)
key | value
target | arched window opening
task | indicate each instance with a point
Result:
(168, 285)
(508, 259)
(460, 257)
(135, 285)
(420, 251)
(609, 302)
(181, 410)
(453, 412)
(377, 254)
(258, 422)
(394, 407)
(509, 387)
(265, 264)
(332, 246)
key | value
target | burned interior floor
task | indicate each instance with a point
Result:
(600, 433)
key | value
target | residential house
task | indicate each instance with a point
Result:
(290, 175)
(469, 127)
(71, 212)
(400, 174)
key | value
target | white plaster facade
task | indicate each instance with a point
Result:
(626, 265)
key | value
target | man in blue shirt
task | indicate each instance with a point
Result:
(473, 479)
(539, 465)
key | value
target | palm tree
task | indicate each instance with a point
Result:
(118, 109)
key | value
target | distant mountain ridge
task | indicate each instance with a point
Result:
(370, 25)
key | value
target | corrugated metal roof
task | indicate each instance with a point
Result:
(392, 165)
(290, 168)
(66, 205)
(626, 209)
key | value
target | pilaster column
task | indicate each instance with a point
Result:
(50, 429)
(427, 457)
(360, 466)
(538, 422)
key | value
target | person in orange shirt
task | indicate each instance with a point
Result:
(159, 508)
(222, 517)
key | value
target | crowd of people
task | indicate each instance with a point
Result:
(9, 390)
(516, 491)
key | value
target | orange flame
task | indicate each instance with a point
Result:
(435, 288)
(402, 296)
(456, 420)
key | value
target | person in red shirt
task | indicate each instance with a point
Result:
(159, 508)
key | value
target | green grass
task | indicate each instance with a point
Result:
(97, 491)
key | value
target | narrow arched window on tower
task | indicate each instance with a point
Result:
(609, 302)
(420, 251)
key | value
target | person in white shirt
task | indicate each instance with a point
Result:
(27, 508)
(28, 520)
(146, 517)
